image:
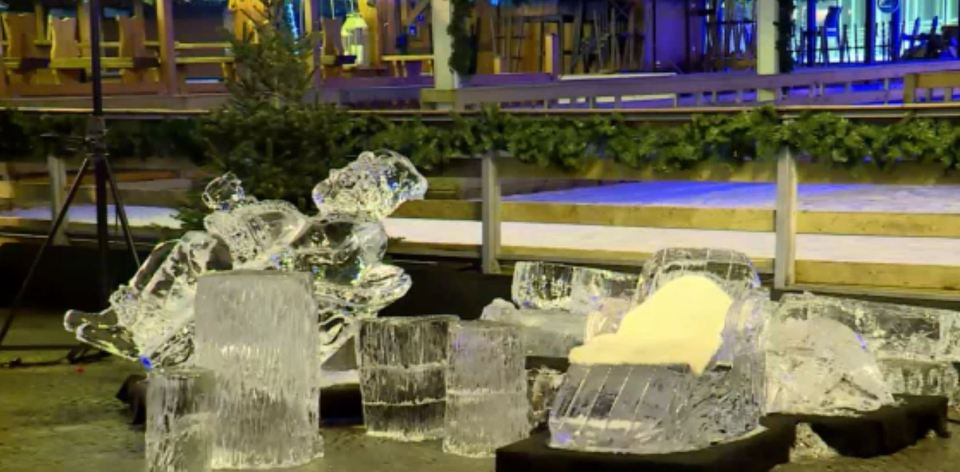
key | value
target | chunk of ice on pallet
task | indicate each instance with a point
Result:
(547, 332)
(542, 285)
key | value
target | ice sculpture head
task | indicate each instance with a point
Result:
(225, 193)
(370, 188)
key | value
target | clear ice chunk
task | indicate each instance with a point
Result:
(403, 364)
(732, 270)
(486, 404)
(547, 333)
(225, 193)
(594, 290)
(257, 331)
(819, 366)
(370, 188)
(912, 377)
(889, 330)
(542, 285)
(808, 445)
(654, 409)
(257, 231)
(180, 417)
(542, 386)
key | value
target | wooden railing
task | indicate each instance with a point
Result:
(785, 220)
(811, 86)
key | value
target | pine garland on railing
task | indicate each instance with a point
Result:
(302, 143)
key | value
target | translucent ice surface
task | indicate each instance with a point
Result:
(651, 409)
(731, 269)
(180, 420)
(547, 333)
(257, 331)
(542, 285)
(369, 188)
(403, 364)
(486, 404)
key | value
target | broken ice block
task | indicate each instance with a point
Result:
(593, 290)
(257, 331)
(542, 285)
(486, 405)
(542, 386)
(731, 269)
(819, 366)
(547, 333)
(913, 377)
(651, 409)
(225, 193)
(403, 362)
(889, 330)
(370, 188)
(179, 430)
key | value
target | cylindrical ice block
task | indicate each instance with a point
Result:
(487, 403)
(179, 431)
(257, 331)
(403, 362)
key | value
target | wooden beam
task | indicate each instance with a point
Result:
(490, 248)
(786, 238)
(168, 52)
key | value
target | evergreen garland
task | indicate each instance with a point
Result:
(463, 58)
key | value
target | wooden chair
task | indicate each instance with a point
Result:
(22, 60)
(65, 54)
(133, 45)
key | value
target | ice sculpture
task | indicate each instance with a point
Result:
(561, 305)
(640, 399)
(731, 269)
(486, 404)
(915, 347)
(179, 430)
(819, 366)
(257, 331)
(403, 363)
(151, 318)
(546, 333)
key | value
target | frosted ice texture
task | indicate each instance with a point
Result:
(732, 270)
(603, 296)
(914, 377)
(542, 386)
(542, 285)
(486, 383)
(257, 331)
(179, 430)
(916, 347)
(547, 333)
(151, 318)
(403, 363)
(808, 445)
(370, 188)
(652, 409)
(820, 366)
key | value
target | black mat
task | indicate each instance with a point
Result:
(880, 432)
(339, 404)
(757, 453)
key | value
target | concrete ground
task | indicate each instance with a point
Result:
(65, 418)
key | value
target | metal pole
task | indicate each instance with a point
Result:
(870, 31)
(95, 131)
(811, 32)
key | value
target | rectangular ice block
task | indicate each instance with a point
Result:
(179, 430)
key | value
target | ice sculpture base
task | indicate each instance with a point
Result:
(652, 409)
(877, 433)
(759, 452)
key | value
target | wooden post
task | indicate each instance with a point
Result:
(767, 61)
(168, 53)
(444, 78)
(551, 57)
(910, 88)
(57, 171)
(784, 263)
(490, 215)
